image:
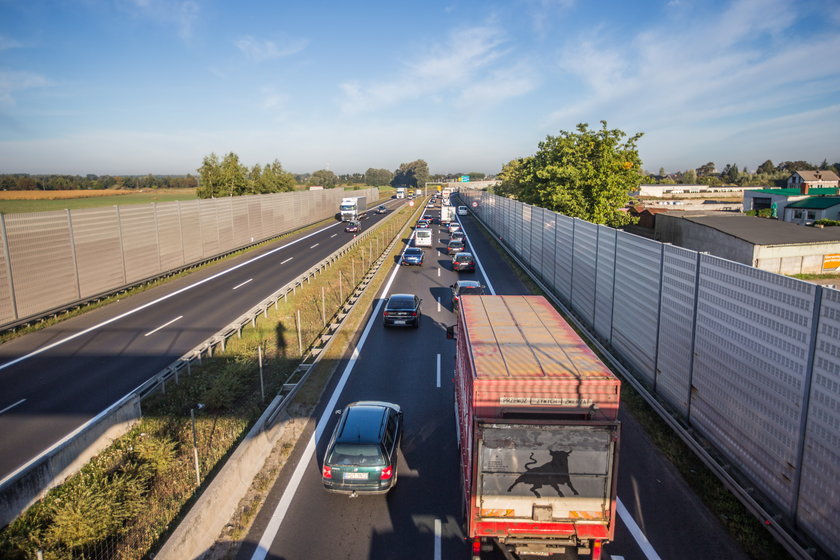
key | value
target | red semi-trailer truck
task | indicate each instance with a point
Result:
(537, 431)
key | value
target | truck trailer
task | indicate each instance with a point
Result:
(538, 431)
(352, 208)
(400, 192)
(447, 214)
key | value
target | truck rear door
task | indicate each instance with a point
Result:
(543, 474)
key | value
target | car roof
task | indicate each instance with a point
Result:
(414, 250)
(468, 284)
(362, 423)
(401, 296)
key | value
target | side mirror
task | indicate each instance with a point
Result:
(451, 332)
(338, 412)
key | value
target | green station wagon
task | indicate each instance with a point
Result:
(361, 457)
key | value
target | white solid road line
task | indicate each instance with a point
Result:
(164, 325)
(287, 260)
(477, 260)
(438, 371)
(437, 538)
(11, 406)
(282, 508)
(243, 283)
(438, 307)
(151, 303)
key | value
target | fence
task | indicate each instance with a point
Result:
(748, 358)
(50, 260)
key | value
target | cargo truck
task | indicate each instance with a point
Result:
(447, 214)
(400, 192)
(538, 433)
(352, 208)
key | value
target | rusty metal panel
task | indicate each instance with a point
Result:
(7, 300)
(820, 489)
(96, 236)
(190, 213)
(139, 241)
(170, 236)
(208, 212)
(42, 261)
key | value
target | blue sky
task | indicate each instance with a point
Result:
(152, 86)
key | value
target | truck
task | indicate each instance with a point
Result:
(352, 208)
(418, 192)
(537, 429)
(400, 192)
(447, 214)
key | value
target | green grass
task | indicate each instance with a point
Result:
(145, 197)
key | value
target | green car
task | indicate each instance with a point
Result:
(361, 457)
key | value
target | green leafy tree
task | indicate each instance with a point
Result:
(378, 177)
(234, 176)
(512, 177)
(765, 168)
(275, 179)
(413, 174)
(588, 174)
(706, 170)
(210, 180)
(324, 178)
(689, 177)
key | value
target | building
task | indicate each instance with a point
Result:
(772, 245)
(807, 211)
(813, 179)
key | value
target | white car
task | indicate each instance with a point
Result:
(462, 211)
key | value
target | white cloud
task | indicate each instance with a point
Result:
(183, 14)
(467, 56)
(268, 50)
(12, 81)
(7, 43)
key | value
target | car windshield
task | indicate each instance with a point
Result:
(413, 252)
(356, 454)
(401, 303)
(456, 244)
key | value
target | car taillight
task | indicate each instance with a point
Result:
(414, 314)
(327, 472)
(387, 473)
(386, 314)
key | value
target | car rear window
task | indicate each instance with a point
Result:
(470, 290)
(463, 258)
(356, 454)
(401, 303)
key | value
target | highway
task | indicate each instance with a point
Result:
(660, 517)
(58, 378)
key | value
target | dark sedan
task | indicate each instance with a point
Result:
(413, 256)
(353, 227)
(465, 287)
(463, 262)
(402, 310)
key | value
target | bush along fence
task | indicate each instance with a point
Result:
(195, 412)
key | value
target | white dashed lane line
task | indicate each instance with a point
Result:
(163, 326)
(242, 284)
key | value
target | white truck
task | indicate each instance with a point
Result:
(447, 214)
(352, 208)
(400, 192)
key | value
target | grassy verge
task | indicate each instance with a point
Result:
(739, 522)
(126, 498)
(86, 201)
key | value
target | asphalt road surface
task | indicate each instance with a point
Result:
(56, 379)
(421, 517)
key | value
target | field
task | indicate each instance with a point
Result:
(14, 202)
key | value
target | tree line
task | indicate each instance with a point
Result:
(766, 174)
(27, 182)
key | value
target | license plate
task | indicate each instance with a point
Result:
(355, 476)
(399, 322)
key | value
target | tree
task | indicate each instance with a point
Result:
(378, 177)
(512, 177)
(589, 174)
(765, 168)
(275, 179)
(413, 174)
(324, 178)
(689, 177)
(706, 170)
(210, 177)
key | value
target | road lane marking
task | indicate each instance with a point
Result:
(438, 371)
(316, 245)
(287, 260)
(437, 539)
(333, 235)
(11, 406)
(164, 325)
(438, 300)
(242, 284)
(155, 302)
(282, 508)
(638, 535)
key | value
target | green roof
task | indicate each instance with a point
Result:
(795, 192)
(816, 202)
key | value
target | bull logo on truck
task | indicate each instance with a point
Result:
(553, 473)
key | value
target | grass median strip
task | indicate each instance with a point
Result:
(126, 498)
